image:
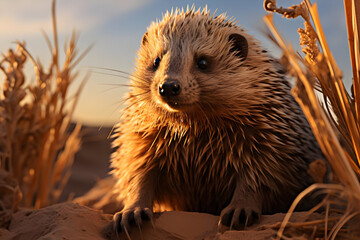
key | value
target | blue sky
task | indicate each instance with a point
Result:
(116, 28)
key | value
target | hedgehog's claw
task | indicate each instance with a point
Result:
(127, 218)
(238, 218)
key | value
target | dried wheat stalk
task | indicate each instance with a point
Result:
(318, 70)
(36, 147)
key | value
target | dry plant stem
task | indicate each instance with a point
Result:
(25, 52)
(307, 191)
(340, 89)
(321, 127)
(346, 110)
(302, 224)
(347, 121)
(308, 39)
(345, 218)
(338, 84)
(317, 118)
(352, 14)
(64, 163)
(314, 232)
(291, 12)
(319, 205)
(38, 149)
(56, 45)
(326, 219)
(11, 112)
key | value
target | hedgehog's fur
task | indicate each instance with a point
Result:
(234, 142)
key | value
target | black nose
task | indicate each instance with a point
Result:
(169, 88)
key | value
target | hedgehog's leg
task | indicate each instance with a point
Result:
(244, 209)
(139, 203)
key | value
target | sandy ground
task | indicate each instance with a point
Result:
(73, 221)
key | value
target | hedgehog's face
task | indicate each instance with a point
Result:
(188, 62)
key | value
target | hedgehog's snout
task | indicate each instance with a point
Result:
(169, 88)
(176, 95)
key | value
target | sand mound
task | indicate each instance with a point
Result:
(59, 221)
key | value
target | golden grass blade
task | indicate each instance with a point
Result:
(326, 220)
(352, 14)
(334, 69)
(82, 55)
(47, 40)
(25, 51)
(64, 162)
(320, 125)
(56, 45)
(37, 132)
(298, 199)
(45, 172)
(356, 20)
(348, 6)
(341, 223)
(353, 127)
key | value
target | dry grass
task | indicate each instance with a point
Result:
(36, 147)
(336, 122)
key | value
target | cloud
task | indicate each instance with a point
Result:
(24, 17)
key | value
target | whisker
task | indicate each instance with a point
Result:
(130, 77)
(123, 72)
(112, 70)
(110, 74)
(115, 84)
(108, 90)
(124, 85)
(139, 94)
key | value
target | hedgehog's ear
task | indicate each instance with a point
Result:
(144, 39)
(239, 45)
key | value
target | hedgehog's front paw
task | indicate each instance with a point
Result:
(238, 217)
(130, 217)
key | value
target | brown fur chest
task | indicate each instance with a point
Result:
(215, 158)
(196, 172)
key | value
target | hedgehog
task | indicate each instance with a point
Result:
(210, 126)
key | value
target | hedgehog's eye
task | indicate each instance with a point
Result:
(156, 63)
(202, 64)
